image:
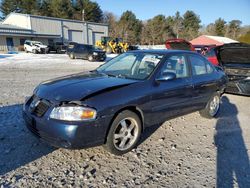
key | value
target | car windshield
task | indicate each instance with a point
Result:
(137, 66)
(36, 42)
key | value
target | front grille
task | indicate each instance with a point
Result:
(41, 108)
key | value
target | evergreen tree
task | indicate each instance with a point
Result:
(8, 6)
(233, 28)
(220, 27)
(61, 9)
(45, 8)
(92, 11)
(158, 30)
(130, 27)
(30, 6)
(191, 25)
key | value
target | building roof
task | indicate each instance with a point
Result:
(7, 29)
(54, 18)
(211, 40)
(8, 26)
(224, 40)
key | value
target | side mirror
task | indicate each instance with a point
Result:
(166, 76)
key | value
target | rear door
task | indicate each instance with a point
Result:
(174, 96)
(204, 80)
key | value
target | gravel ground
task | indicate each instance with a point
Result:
(188, 151)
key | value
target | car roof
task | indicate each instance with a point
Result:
(163, 51)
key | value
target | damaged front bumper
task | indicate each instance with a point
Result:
(65, 134)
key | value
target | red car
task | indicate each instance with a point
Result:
(211, 55)
(179, 44)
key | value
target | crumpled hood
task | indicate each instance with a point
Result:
(79, 86)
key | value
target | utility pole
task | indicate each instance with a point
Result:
(83, 12)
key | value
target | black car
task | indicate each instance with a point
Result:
(113, 104)
(58, 47)
(234, 58)
(85, 51)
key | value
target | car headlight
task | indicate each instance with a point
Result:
(73, 113)
(95, 53)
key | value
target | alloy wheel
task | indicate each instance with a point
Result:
(126, 134)
(214, 105)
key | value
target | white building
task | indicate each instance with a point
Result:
(16, 28)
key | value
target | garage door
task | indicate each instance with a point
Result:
(75, 36)
(97, 36)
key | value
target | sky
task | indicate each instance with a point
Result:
(208, 10)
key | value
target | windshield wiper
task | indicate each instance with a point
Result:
(122, 76)
(111, 75)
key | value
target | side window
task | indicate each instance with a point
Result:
(198, 65)
(176, 64)
(209, 67)
(27, 42)
(147, 65)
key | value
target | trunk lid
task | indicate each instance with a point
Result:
(235, 59)
(179, 44)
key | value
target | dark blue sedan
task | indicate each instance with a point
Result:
(113, 104)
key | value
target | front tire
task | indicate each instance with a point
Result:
(124, 133)
(212, 107)
(34, 51)
(90, 58)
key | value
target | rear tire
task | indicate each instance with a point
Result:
(212, 107)
(124, 133)
(104, 59)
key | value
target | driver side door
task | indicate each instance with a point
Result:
(172, 97)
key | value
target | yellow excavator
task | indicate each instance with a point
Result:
(112, 45)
